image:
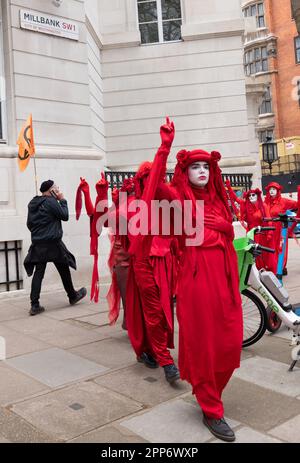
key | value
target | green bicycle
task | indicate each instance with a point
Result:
(270, 289)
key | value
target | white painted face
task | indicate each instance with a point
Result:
(273, 192)
(253, 197)
(198, 173)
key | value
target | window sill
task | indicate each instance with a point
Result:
(265, 115)
(160, 43)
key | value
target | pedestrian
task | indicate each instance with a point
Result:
(45, 214)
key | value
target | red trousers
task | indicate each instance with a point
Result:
(153, 313)
(209, 395)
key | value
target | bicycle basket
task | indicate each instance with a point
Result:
(241, 246)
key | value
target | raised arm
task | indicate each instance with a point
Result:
(159, 166)
(84, 188)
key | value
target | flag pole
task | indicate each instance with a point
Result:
(35, 176)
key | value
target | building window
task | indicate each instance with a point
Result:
(297, 49)
(263, 135)
(256, 60)
(159, 20)
(10, 266)
(256, 10)
(266, 106)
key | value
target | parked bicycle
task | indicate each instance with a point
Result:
(254, 282)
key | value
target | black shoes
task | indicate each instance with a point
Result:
(147, 360)
(79, 295)
(219, 428)
(36, 309)
(171, 373)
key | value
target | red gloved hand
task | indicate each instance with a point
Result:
(115, 195)
(102, 185)
(228, 183)
(167, 133)
(84, 186)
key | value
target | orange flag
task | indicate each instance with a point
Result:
(26, 144)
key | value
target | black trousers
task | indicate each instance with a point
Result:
(36, 284)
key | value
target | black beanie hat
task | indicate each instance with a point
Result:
(45, 186)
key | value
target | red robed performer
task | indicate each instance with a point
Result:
(252, 212)
(209, 308)
(277, 204)
(151, 280)
(94, 214)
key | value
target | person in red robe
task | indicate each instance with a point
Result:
(209, 307)
(118, 261)
(119, 258)
(151, 280)
(252, 213)
(277, 204)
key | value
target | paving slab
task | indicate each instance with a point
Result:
(10, 312)
(99, 319)
(16, 430)
(56, 367)
(271, 347)
(143, 384)
(56, 413)
(111, 353)
(54, 332)
(3, 440)
(247, 435)
(18, 344)
(270, 375)
(16, 386)
(109, 434)
(288, 431)
(69, 312)
(174, 422)
(255, 406)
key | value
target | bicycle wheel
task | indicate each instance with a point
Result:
(274, 322)
(254, 318)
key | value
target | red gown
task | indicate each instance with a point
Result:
(278, 205)
(209, 306)
(150, 286)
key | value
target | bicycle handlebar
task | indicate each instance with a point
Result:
(263, 248)
(283, 218)
(261, 229)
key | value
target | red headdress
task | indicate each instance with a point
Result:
(250, 207)
(142, 172)
(269, 198)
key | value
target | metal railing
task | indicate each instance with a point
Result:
(241, 181)
(10, 257)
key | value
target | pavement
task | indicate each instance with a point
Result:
(70, 377)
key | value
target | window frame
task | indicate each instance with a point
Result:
(267, 100)
(248, 9)
(160, 21)
(267, 133)
(248, 63)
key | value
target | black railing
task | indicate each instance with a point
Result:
(238, 181)
(10, 253)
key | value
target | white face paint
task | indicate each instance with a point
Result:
(273, 192)
(198, 173)
(252, 197)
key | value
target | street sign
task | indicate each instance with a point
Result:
(48, 24)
